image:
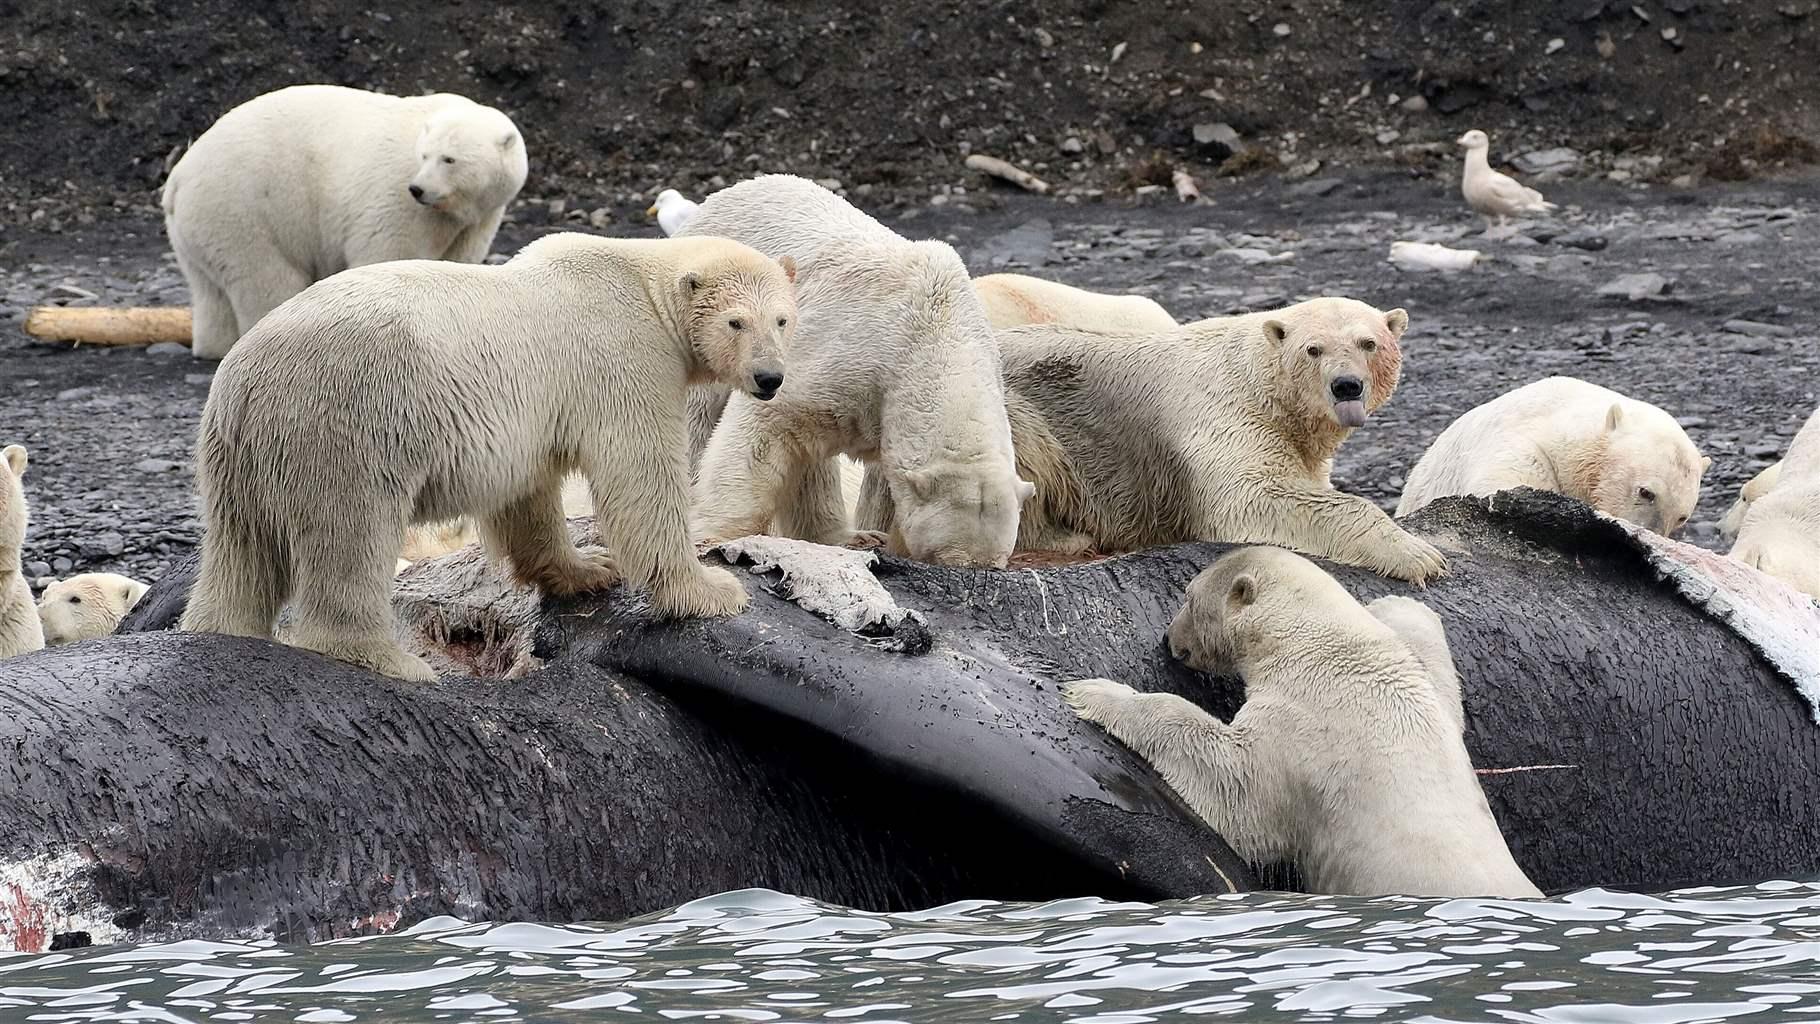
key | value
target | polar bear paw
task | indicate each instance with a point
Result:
(708, 592)
(1096, 700)
(868, 540)
(591, 570)
(1415, 560)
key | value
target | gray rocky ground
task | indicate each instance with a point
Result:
(1716, 324)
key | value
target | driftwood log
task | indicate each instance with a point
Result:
(110, 325)
(169, 784)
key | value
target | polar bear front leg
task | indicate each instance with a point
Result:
(640, 485)
(1208, 762)
(1343, 527)
(742, 473)
(533, 537)
(812, 505)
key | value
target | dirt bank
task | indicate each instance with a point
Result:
(620, 99)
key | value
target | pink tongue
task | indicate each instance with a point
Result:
(1351, 413)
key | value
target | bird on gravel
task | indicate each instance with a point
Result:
(672, 210)
(1491, 193)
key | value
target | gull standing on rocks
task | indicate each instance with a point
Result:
(1491, 193)
(672, 210)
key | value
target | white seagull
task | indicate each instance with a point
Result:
(672, 210)
(1493, 194)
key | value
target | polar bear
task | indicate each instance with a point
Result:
(1223, 429)
(1780, 534)
(86, 606)
(19, 627)
(438, 390)
(1623, 457)
(1754, 488)
(1347, 757)
(1013, 300)
(894, 364)
(298, 184)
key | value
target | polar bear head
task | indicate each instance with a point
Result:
(962, 514)
(1246, 602)
(1337, 359)
(470, 162)
(740, 313)
(12, 504)
(87, 606)
(1649, 473)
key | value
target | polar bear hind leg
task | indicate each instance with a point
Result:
(268, 282)
(244, 582)
(213, 327)
(533, 536)
(344, 566)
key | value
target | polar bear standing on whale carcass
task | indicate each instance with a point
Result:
(298, 184)
(894, 363)
(1347, 758)
(436, 390)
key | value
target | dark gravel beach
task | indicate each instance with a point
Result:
(1723, 335)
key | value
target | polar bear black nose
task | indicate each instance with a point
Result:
(417, 192)
(1347, 389)
(767, 382)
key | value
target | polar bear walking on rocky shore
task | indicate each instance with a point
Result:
(1347, 758)
(298, 184)
(1626, 458)
(435, 390)
(894, 364)
(1780, 533)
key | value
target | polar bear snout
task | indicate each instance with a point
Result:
(417, 192)
(1347, 389)
(765, 384)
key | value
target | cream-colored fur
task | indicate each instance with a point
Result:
(86, 606)
(1492, 194)
(1013, 300)
(894, 364)
(435, 390)
(298, 184)
(1224, 429)
(1347, 757)
(1623, 457)
(19, 627)
(1754, 488)
(1780, 534)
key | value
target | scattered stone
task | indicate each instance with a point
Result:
(1559, 160)
(1258, 257)
(1415, 104)
(167, 348)
(1315, 187)
(1585, 238)
(1218, 139)
(1637, 287)
(35, 569)
(157, 465)
(1072, 145)
(102, 545)
(1738, 238)
(1027, 245)
(61, 565)
(71, 293)
(1280, 29)
(1756, 329)
(1555, 45)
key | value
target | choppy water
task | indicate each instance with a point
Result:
(1596, 956)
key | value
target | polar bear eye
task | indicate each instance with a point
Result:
(783, 321)
(75, 599)
(737, 324)
(1368, 345)
(448, 159)
(1646, 494)
(1314, 351)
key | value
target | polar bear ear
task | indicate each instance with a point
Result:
(1613, 417)
(689, 284)
(1243, 592)
(789, 265)
(1275, 331)
(1706, 463)
(15, 458)
(1398, 321)
(507, 141)
(1025, 490)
